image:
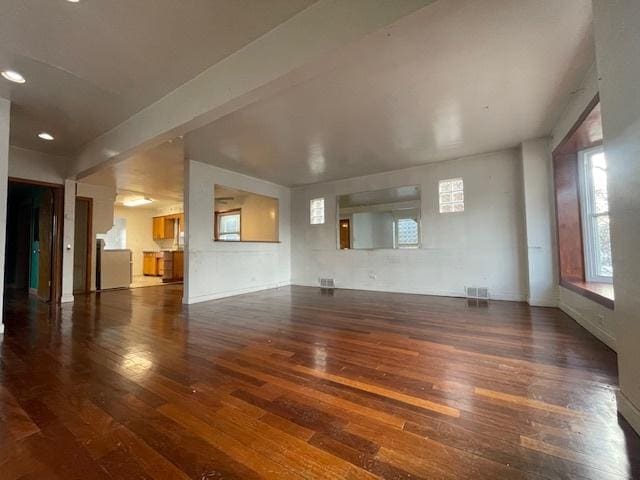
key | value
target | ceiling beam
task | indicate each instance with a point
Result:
(294, 51)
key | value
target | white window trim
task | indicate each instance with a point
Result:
(587, 206)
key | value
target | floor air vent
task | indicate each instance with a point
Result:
(479, 295)
(327, 283)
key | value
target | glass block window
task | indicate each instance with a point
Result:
(451, 195)
(407, 233)
(316, 209)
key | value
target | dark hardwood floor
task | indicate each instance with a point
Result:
(293, 383)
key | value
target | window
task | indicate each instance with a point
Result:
(316, 209)
(407, 235)
(229, 226)
(595, 215)
(241, 216)
(451, 195)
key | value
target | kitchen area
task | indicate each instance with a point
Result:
(145, 246)
(166, 264)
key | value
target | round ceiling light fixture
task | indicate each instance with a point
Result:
(45, 136)
(13, 76)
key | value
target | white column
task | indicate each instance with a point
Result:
(68, 239)
(187, 226)
(540, 223)
(198, 213)
(5, 107)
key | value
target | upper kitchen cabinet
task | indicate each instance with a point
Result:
(164, 227)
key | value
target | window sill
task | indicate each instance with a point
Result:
(601, 293)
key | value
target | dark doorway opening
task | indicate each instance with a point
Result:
(33, 254)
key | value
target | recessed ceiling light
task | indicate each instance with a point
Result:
(136, 202)
(73, 1)
(13, 76)
(45, 136)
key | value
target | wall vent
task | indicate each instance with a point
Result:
(477, 293)
(327, 283)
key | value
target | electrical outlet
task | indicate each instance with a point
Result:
(372, 276)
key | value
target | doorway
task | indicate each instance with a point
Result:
(83, 241)
(33, 254)
(345, 234)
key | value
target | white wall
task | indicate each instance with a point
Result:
(220, 269)
(32, 165)
(484, 246)
(540, 223)
(617, 34)
(139, 232)
(5, 107)
(177, 207)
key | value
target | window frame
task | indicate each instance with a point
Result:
(227, 213)
(312, 208)
(589, 215)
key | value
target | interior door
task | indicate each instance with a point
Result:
(82, 245)
(345, 234)
(45, 227)
(34, 258)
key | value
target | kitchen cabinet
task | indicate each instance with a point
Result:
(115, 269)
(153, 264)
(164, 227)
(173, 266)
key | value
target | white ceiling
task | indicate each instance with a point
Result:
(456, 78)
(90, 65)
(157, 203)
(157, 173)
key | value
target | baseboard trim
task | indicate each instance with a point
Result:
(436, 293)
(591, 327)
(66, 299)
(543, 302)
(629, 411)
(232, 293)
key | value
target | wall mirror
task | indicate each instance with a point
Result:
(379, 219)
(244, 216)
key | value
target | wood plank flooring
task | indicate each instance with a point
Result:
(294, 383)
